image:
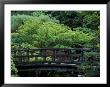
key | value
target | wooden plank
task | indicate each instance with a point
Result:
(49, 69)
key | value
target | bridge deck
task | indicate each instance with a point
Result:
(48, 67)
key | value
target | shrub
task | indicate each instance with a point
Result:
(17, 21)
(14, 70)
(92, 56)
(38, 13)
(89, 71)
(91, 21)
(35, 33)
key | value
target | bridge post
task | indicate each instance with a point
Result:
(43, 54)
(54, 55)
(82, 55)
(81, 58)
(27, 55)
(69, 55)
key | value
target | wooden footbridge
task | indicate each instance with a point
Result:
(51, 59)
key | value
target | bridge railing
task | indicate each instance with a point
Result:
(49, 55)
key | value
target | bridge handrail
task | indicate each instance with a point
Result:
(83, 49)
(54, 55)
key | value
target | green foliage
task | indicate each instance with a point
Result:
(91, 66)
(74, 19)
(17, 21)
(84, 30)
(44, 17)
(49, 59)
(36, 59)
(36, 33)
(71, 38)
(13, 68)
(21, 12)
(69, 18)
(91, 21)
(90, 71)
(61, 46)
(38, 13)
(41, 59)
(92, 56)
(95, 40)
(58, 29)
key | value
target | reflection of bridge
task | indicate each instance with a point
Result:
(57, 59)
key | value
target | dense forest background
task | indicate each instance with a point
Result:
(58, 29)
